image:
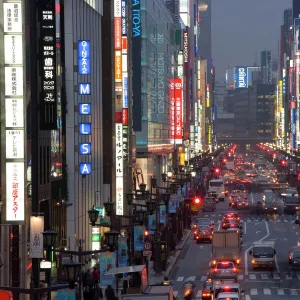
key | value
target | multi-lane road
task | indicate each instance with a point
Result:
(283, 283)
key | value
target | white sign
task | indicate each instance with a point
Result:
(147, 253)
(117, 8)
(119, 196)
(13, 49)
(36, 237)
(45, 264)
(15, 196)
(14, 115)
(119, 149)
(14, 144)
(14, 81)
(12, 15)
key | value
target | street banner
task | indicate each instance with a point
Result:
(138, 238)
(107, 260)
(36, 237)
(122, 252)
(163, 213)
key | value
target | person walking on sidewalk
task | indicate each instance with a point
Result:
(110, 293)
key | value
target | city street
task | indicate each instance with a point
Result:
(283, 283)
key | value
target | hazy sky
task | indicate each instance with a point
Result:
(241, 28)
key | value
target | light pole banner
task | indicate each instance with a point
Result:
(107, 260)
(36, 237)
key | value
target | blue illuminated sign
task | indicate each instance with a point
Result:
(85, 128)
(240, 77)
(84, 58)
(124, 19)
(293, 121)
(85, 168)
(84, 89)
(125, 92)
(136, 18)
(85, 148)
(84, 108)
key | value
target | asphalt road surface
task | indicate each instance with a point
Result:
(283, 283)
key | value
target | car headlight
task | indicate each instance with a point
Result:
(275, 208)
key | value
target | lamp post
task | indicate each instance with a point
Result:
(49, 237)
(72, 271)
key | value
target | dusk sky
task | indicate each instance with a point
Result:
(241, 28)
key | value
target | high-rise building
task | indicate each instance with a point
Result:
(296, 9)
(266, 67)
(220, 93)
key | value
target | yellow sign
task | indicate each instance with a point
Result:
(209, 135)
(280, 96)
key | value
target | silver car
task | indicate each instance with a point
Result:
(209, 204)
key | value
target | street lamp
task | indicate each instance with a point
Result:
(164, 177)
(166, 198)
(151, 206)
(129, 198)
(109, 207)
(111, 238)
(173, 187)
(71, 269)
(49, 238)
(193, 173)
(140, 215)
(93, 215)
(143, 187)
(153, 182)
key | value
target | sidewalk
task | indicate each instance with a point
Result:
(158, 278)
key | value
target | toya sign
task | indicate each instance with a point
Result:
(136, 18)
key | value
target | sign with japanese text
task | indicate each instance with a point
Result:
(118, 66)
(36, 237)
(125, 142)
(117, 33)
(119, 149)
(15, 144)
(14, 111)
(12, 15)
(15, 194)
(84, 58)
(119, 196)
(48, 112)
(176, 110)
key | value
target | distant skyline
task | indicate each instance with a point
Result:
(241, 29)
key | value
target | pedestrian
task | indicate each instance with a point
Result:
(110, 293)
(95, 276)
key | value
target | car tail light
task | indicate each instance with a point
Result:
(205, 294)
(214, 262)
(226, 287)
(234, 270)
(238, 261)
(197, 237)
(216, 270)
(225, 263)
(195, 232)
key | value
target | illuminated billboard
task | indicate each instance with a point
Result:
(240, 77)
(14, 111)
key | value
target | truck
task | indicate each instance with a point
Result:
(226, 246)
(263, 255)
(217, 186)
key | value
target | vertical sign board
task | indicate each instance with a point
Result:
(187, 81)
(84, 108)
(172, 110)
(14, 111)
(36, 237)
(240, 77)
(119, 169)
(136, 65)
(48, 99)
(178, 111)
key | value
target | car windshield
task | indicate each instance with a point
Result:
(216, 183)
(297, 255)
(263, 251)
(209, 201)
(224, 266)
(292, 200)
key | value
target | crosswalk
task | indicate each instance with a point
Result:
(249, 277)
(256, 292)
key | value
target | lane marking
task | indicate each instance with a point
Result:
(276, 276)
(219, 226)
(203, 278)
(180, 278)
(199, 294)
(246, 252)
(280, 292)
(175, 293)
(252, 276)
(191, 278)
(245, 228)
(294, 293)
(253, 292)
(277, 265)
(240, 277)
(289, 277)
(248, 297)
(264, 276)
(267, 292)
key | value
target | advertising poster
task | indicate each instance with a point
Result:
(163, 213)
(172, 206)
(66, 294)
(152, 222)
(139, 238)
(107, 260)
(122, 251)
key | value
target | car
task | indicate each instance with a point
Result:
(297, 218)
(207, 290)
(204, 235)
(295, 261)
(225, 269)
(243, 204)
(209, 204)
(230, 215)
(269, 202)
(291, 252)
(231, 223)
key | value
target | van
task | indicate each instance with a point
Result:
(217, 186)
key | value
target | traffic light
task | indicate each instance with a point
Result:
(274, 155)
(283, 163)
(298, 176)
(197, 201)
(146, 233)
(217, 171)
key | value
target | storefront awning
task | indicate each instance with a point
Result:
(122, 270)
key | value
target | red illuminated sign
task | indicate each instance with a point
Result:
(118, 34)
(125, 117)
(176, 109)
